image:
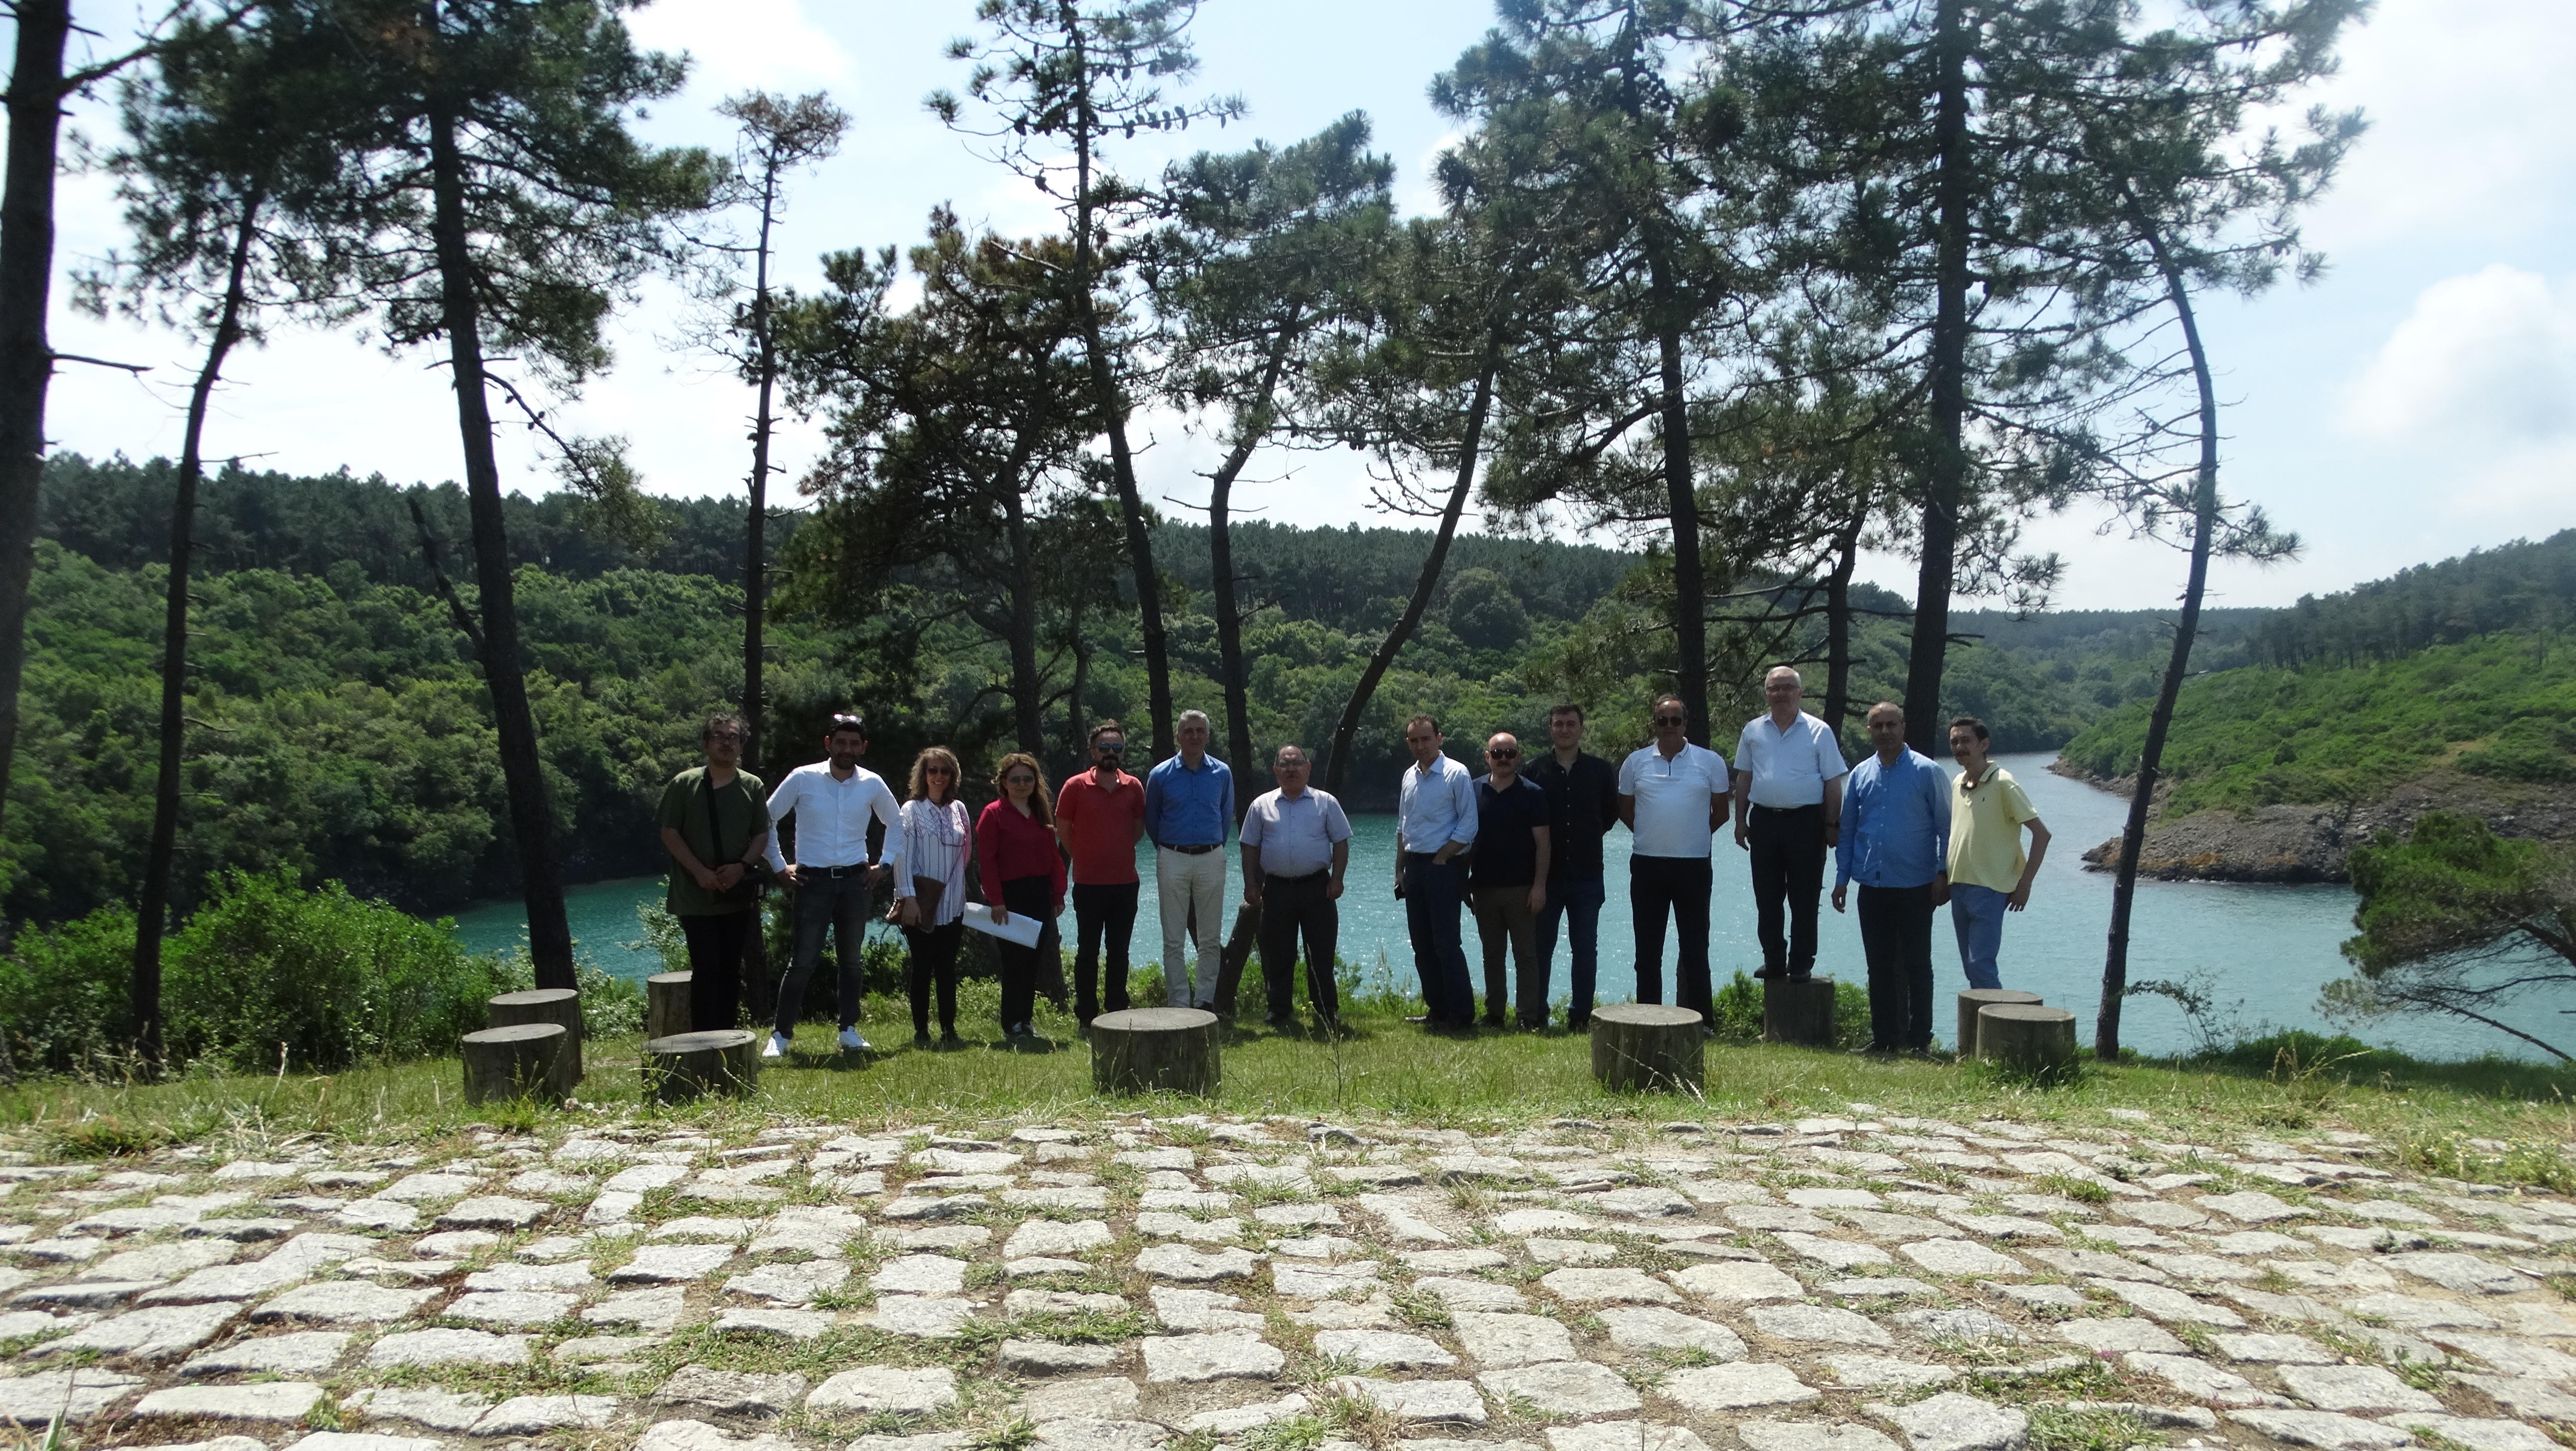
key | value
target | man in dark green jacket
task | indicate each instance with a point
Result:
(715, 824)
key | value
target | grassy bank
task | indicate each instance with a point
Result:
(2490, 1120)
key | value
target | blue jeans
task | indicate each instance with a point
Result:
(1978, 915)
(1433, 894)
(1583, 897)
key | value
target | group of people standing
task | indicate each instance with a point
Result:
(1520, 848)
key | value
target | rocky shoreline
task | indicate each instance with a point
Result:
(2310, 842)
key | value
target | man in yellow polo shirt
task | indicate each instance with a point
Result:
(1989, 873)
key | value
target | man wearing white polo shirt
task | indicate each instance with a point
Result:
(1296, 847)
(1672, 798)
(1789, 790)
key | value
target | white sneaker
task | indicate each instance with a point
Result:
(776, 1047)
(850, 1039)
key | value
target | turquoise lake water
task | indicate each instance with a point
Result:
(2270, 947)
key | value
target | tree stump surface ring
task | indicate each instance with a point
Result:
(1978, 997)
(2026, 1036)
(1143, 1050)
(558, 1005)
(666, 1004)
(509, 1063)
(1799, 1011)
(687, 1066)
(1648, 1047)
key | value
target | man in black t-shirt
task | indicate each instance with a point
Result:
(1582, 805)
(1507, 880)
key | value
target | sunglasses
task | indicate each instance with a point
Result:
(1022, 780)
(939, 770)
(1502, 755)
(1110, 748)
(1668, 720)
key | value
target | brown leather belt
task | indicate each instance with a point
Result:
(1193, 850)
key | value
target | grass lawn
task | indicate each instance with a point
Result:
(2490, 1120)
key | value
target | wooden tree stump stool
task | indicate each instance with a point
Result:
(506, 1064)
(2026, 1036)
(688, 1066)
(1799, 1011)
(666, 1004)
(1145, 1049)
(1647, 1047)
(557, 1005)
(1978, 997)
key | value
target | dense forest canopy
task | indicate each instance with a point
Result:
(338, 720)
(2516, 586)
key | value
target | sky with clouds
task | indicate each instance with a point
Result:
(2417, 402)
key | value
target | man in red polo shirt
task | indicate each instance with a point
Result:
(1100, 816)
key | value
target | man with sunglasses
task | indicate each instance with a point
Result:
(1507, 877)
(1100, 816)
(833, 800)
(1672, 798)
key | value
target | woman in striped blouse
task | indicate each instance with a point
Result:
(938, 841)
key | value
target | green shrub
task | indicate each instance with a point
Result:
(1851, 1015)
(267, 967)
(2529, 749)
(1739, 1010)
(63, 993)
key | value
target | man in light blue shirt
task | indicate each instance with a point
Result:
(1435, 826)
(1189, 805)
(1896, 844)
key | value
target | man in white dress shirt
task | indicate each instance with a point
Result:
(1789, 785)
(832, 800)
(1672, 799)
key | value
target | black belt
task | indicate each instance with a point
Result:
(1194, 850)
(1317, 875)
(854, 869)
(1790, 810)
(1428, 856)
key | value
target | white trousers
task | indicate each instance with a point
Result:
(1184, 881)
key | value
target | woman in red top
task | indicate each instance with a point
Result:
(1023, 872)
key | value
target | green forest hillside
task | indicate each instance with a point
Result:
(2465, 664)
(339, 726)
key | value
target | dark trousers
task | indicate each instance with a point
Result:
(1103, 916)
(1896, 936)
(1030, 897)
(1503, 916)
(934, 959)
(1788, 872)
(1576, 902)
(1432, 895)
(838, 905)
(1289, 910)
(1680, 885)
(715, 966)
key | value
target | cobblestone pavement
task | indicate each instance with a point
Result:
(1862, 1283)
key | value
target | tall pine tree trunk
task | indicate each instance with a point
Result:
(522, 775)
(1838, 625)
(1681, 496)
(1249, 432)
(1946, 488)
(35, 104)
(1470, 443)
(755, 564)
(1028, 684)
(1112, 403)
(143, 990)
(2142, 796)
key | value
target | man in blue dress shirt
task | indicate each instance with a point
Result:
(1189, 806)
(1896, 844)
(1435, 825)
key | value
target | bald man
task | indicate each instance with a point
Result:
(1789, 794)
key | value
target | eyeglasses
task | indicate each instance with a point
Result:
(724, 735)
(1668, 720)
(1023, 779)
(1502, 755)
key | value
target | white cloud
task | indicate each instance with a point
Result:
(2483, 364)
(743, 43)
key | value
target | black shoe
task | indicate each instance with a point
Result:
(948, 1036)
(921, 1037)
(1284, 1022)
(1875, 1050)
(1764, 974)
(1802, 977)
(1423, 1018)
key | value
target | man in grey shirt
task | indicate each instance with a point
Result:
(1296, 846)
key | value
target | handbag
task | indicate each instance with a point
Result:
(755, 874)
